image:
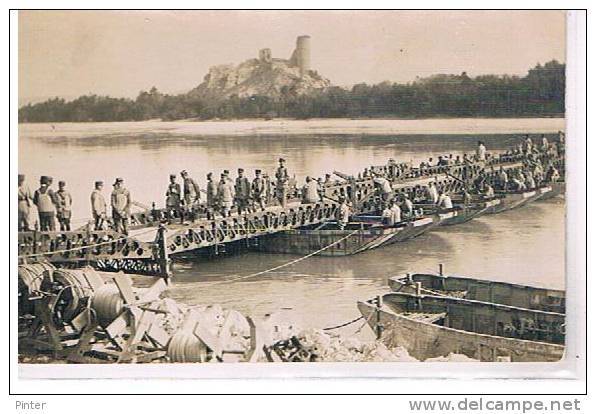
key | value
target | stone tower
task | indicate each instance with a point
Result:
(301, 56)
(265, 55)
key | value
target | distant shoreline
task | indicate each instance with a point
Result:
(198, 120)
(281, 127)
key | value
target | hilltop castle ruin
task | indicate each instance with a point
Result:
(265, 75)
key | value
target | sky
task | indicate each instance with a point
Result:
(119, 53)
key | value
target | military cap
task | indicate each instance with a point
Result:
(118, 180)
(98, 183)
(257, 171)
(183, 172)
(44, 179)
(172, 175)
(226, 171)
(209, 175)
(61, 182)
(240, 170)
(282, 160)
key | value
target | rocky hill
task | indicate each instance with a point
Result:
(265, 76)
(255, 77)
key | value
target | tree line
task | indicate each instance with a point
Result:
(540, 93)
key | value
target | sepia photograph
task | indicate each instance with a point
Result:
(291, 186)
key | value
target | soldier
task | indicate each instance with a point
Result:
(98, 206)
(343, 213)
(259, 190)
(281, 176)
(269, 189)
(192, 192)
(173, 199)
(310, 191)
(481, 151)
(45, 200)
(392, 168)
(407, 206)
(64, 206)
(121, 202)
(225, 195)
(242, 191)
(211, 196)
(503, 179)
(24, 204)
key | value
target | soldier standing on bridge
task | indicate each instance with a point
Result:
(211, 196)
(45, 200)
(192, 192)
(259, 190)
(98, 206)
(310, 191)
(242, 191)
(173, 199)
(281, 175)
(121, 202)
(225, 195)
(24, 204)
(64, 206)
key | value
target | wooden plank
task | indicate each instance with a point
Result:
(140, 329)
(208, 339)
(124, 285)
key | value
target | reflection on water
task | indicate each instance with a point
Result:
(524, 245)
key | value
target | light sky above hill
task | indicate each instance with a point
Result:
(71, 53)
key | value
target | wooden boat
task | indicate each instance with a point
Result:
(511, 294)
(458, 214)
(557, 188)
(518, 198)
(430, 326)
(362, 234)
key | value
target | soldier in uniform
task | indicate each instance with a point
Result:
(121, 202)
(310, 191)
(225, 195)
(45, 200)
(64, 206)
(242, 191)
(98, 206)
(343, 213)
(281, 176)
(173, 199)
(192, 193)
(259, 190)
(211, 196)
(24, 204)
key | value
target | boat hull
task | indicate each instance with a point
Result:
(343, 242)
(425, 340)
(510, 294)
(511, 200)
(459, 216)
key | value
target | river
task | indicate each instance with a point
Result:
(526, 245)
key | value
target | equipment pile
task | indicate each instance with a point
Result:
(85, 316)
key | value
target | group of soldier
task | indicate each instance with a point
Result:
(51, 205)
(57, 205)
(226, 194)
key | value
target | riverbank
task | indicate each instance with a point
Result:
(294, 127)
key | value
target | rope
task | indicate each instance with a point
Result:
(285, 264)
(343, 324)
(83, 247)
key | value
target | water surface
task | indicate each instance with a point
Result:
(523, 246)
